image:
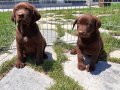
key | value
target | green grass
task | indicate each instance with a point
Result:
(111, 22)
(110, 43)
(115, 60)
(115, 33)
(60, 31)
(64, 45)
(62, 81)
(55, 70)
(6, 67)
(73, 32)
(96, 11)
(7, 30)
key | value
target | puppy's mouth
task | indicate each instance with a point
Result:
(23, 21)
(85, 35)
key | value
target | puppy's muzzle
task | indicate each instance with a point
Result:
(21, 15)
(83, 34)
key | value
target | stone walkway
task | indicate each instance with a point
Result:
(25, 79)
(105, 77)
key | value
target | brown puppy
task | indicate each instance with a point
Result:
(89, 41)
(28, 37)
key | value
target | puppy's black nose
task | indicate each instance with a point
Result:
(82, 32)
(21, 15)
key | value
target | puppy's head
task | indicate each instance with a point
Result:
(25, 13)
(86, 25)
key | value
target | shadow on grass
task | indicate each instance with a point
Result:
(45, 67)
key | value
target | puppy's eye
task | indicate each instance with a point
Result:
(26, 8)
(30, 11)
(15, 9)
(78, 26)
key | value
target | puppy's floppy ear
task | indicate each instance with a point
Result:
(98, 23)
(74, 23)
(36, 15)
(13, 16)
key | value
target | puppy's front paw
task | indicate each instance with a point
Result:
(81, 66)
(19, 64)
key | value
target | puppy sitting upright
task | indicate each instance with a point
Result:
(89, 42)
(28, 37)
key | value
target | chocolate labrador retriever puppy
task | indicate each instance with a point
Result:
(29, 40)
(89, 41)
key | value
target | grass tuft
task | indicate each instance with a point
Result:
(60, 31)
(115, 60)
(6, 67)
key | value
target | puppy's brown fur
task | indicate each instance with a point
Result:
(28, 37)
(89, 40)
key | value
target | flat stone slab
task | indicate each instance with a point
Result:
(69, 26)
(105, 77)
(77, 14)
(47, 19)
(68, 38)
(8, 56)
(47, 26)
(118, 37)
(115, 54)
(102, 30)
(25, 79)
(49, 35)
(50, 53)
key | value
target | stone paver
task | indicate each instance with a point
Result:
(103, 15)
(118, 37)
(49, 35)
(47, 26)
(69, 26)
(102, 30)
(77, 14)
(25, 79)
(8, 56)
(47, 19)
(68, 38)
(115, 54)
(105, 77)
(51, 53)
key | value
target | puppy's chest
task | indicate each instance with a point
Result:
(25, 39)
(91, 48)
(28, 41)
